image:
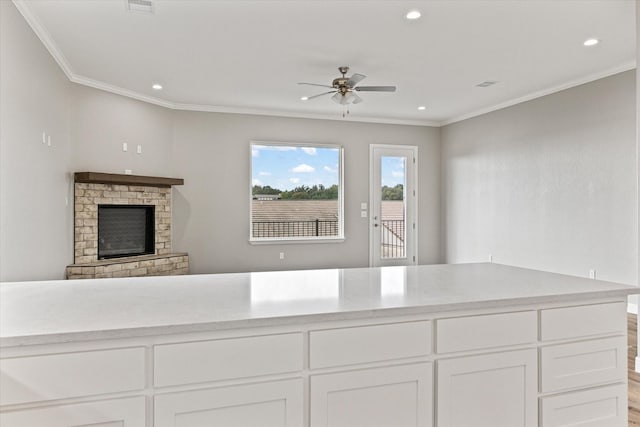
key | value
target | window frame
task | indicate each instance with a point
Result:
(304, 239)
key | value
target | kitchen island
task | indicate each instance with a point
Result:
(443, 345)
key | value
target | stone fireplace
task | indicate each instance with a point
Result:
(125, 249)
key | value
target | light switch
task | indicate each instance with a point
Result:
(125, 147)
(139, 149)
(363, 214)
(363, 206)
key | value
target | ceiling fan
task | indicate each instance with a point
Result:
(345, 88)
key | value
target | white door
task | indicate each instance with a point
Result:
(398, 396)
(393, 201)
(511, 376)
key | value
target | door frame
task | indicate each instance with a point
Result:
(414, 205)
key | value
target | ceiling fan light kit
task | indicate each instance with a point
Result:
(344, 88)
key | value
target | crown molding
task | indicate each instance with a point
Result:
(44, 37)
(544, 92)
(96, 84)
(298, 115)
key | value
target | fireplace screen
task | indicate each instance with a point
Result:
(125, 230)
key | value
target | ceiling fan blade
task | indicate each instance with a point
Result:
(375, 88)
(355, 99)
(355, 79)
(314, 84)
(321, 94)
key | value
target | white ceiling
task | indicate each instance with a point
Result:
(247, 56)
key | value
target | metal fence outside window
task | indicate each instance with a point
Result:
(314, 228)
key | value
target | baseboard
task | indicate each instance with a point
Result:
(632, 308)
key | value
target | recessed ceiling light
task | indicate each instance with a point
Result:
(591, 42)
(422, 107)
(414, 14)
(304, 98)
(156, 86)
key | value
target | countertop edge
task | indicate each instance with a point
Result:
(275, 321)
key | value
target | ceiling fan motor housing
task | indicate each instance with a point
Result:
(340, 82)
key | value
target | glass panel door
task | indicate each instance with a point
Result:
(393, 204)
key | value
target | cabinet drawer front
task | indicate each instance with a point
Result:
(349, 346)
(398, 396)
(224, 359)
(128, 412)
(487, 331)
(582, 321)
(274, 403)
(583, 364)
(59, 376)
(605, 406)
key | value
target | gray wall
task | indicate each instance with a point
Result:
(35, 186)
(102, 121)
(548, 184)
(211, 211)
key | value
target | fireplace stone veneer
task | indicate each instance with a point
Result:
(112, 189)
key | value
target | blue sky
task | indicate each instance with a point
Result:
(286, 167)
(392, 170)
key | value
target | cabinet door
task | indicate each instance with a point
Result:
(269, 404)
(399, 396)
(491, 390)
(109, 413)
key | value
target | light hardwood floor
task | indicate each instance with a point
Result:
(634, 377)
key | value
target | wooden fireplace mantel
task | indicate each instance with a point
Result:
(114, 178)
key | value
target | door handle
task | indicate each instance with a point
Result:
(375, 224)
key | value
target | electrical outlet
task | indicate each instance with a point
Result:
(363, 214)
(592, 274)
(44, 137)
(363, 206)
(49, 140)
(139, 149)
(128, 172)
(281, 255)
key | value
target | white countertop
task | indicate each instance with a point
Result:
(80, 310)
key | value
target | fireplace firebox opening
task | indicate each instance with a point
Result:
(125, 230)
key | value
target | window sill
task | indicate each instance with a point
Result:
(296, 241)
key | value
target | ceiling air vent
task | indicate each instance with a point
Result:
(144, 6)
(486, 83)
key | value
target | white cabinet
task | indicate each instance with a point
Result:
(129, 412)
(583, 364)
(599, 407)
(399, 396)
(490, 390)
(268, 404)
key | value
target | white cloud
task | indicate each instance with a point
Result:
(328, 169)
(294, 180)
(397, 174)
(264, 173)
(303, 168)
(256, 182)
(309, 150)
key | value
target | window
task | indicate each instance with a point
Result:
(296, 192)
